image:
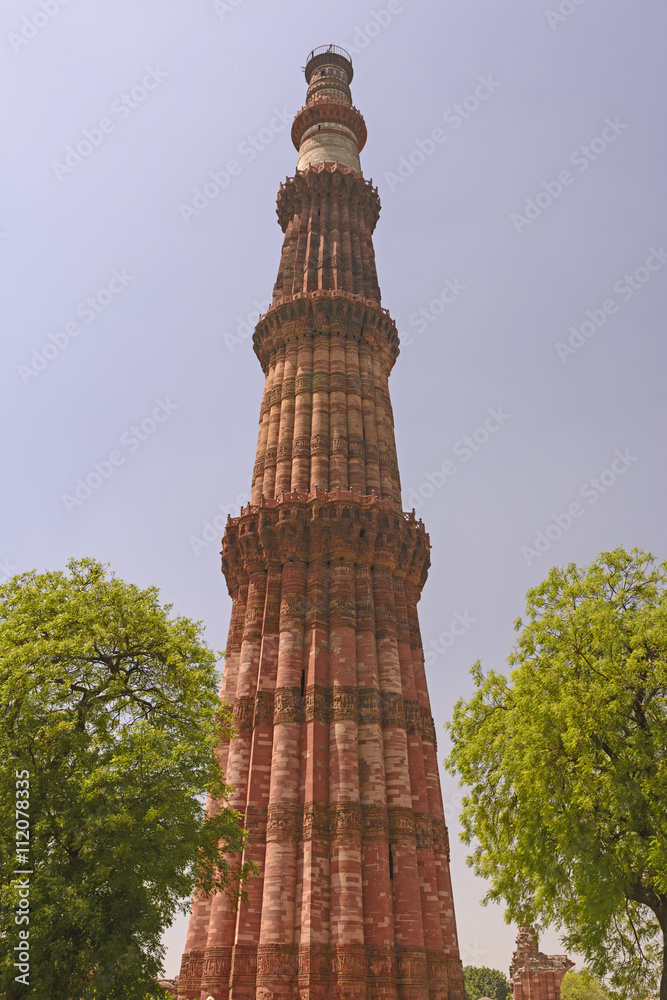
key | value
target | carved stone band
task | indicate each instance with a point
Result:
(364, 705)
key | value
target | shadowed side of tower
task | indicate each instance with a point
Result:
(334, 763)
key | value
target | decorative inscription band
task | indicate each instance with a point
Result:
(366, 706)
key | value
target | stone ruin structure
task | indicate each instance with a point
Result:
(534, 976)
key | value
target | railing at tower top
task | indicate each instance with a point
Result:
(334, 49)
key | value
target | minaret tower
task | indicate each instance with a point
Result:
(334, 763)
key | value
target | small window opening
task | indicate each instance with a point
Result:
(303, 683)
(391, 864)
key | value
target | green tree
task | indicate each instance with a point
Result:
(582, 986)
(109, 718)
(480, 981)
(566, 764)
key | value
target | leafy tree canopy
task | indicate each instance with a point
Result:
(480, 981)
(582, 986)
(566, 764)
(109, 717)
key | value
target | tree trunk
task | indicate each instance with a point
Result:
(658, 903)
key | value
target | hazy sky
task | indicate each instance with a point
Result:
(522, 255)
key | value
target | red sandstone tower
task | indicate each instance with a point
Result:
(334, 762)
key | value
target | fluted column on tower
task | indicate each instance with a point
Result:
(334, 762)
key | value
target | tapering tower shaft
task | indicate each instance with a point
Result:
(334, 763)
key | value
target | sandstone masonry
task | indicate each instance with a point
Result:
(534, 976)
(334, 763)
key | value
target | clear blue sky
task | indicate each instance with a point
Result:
(533, 218)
